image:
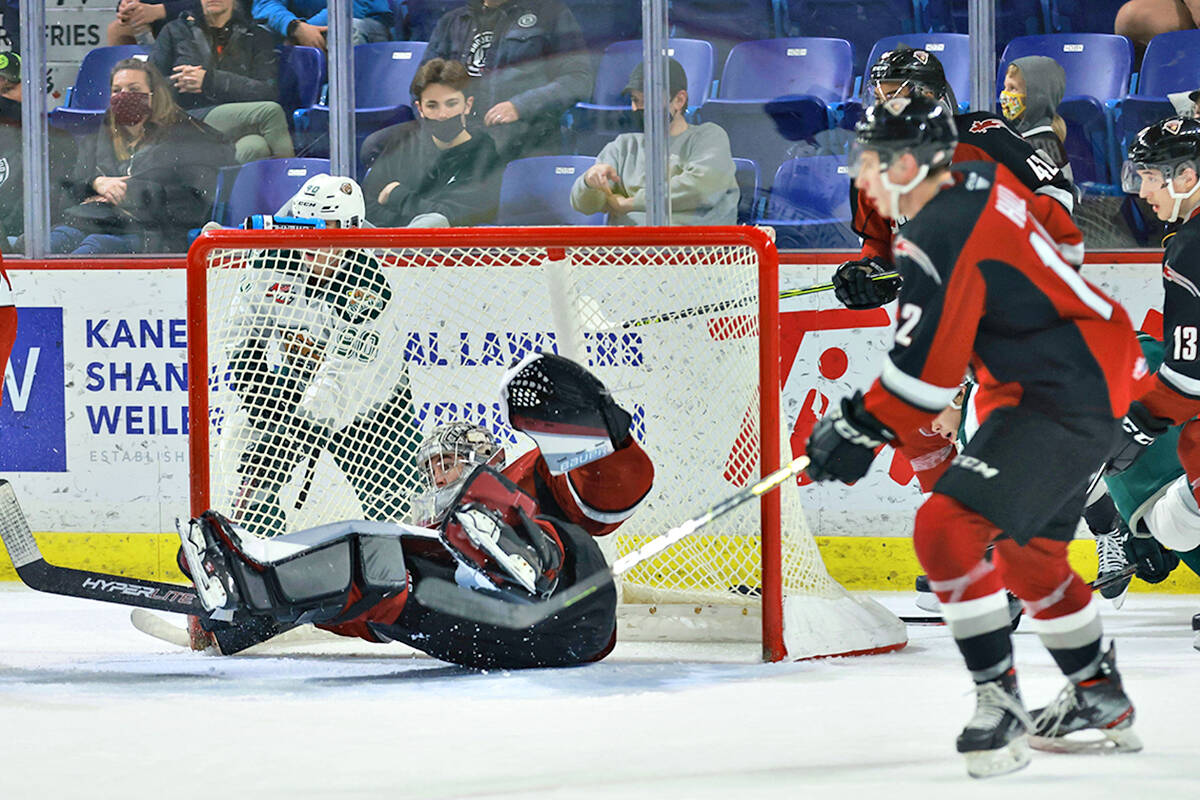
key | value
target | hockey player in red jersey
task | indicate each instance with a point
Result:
(8, 324)
(983, 136)
(1163, 168)
(522, 534)
(1053, 357)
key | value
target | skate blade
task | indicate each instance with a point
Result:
(989, 763)
(1114, 740)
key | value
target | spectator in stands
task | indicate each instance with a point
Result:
(1033, 88)
(531, 64)
(147, 176)
(1187, 104)
(703, 189)
(12, 171)
(305, 22)
(1142, 20)
(223, 69)
(140, 21)
(439, 170)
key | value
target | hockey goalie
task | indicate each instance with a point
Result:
(520, 532)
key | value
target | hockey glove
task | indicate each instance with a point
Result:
(842, 445)
(565, 409)
(854, 288)
(1152, 562)
(519, 560)
(1139, 429)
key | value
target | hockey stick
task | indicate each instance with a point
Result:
(36, 573)
(450, 598)
(725, 305)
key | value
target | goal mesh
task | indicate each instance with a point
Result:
(327, 366)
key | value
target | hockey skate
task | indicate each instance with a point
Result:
(995, 740)
(1111, 559)
(1099, 704)
(1196, 628)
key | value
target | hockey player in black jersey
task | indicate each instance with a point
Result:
(982, 136)
(1053, 358)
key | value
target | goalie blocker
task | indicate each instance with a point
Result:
(519, 537)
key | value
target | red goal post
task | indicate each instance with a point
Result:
(674, 291)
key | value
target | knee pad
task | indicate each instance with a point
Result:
(1041, 576)
(949, 538)
(1174, 519)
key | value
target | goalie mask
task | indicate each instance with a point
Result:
(1162, 152)
(338, 201)
(905, 72)
(445, 459)
(917, 125)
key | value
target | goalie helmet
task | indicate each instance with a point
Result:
(330, 198)
(917, 125)
(1169, 147)
(910, 72)
(445, 459)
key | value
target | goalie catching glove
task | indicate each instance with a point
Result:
(855, 290)
(498, 545)
(565, 409)
(842, 445)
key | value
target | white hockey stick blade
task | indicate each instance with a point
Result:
(159, 628)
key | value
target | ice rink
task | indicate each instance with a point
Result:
(92, 708)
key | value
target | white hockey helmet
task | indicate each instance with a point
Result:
(331, 198)
(446, 457)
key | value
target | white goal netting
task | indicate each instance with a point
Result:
(327, 366)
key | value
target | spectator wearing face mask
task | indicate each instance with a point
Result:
(1033, 88)
(440, 170)
(702, 185)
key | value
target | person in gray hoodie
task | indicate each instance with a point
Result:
(1033, 88)
(703, 189)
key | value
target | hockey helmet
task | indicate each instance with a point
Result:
(907, 72)
(445, 459)
(331, 198)
(918, 125)
(1169, 147)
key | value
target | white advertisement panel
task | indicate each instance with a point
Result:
(93, 425)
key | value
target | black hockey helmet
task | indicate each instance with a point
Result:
(1168, 146)
(917, 71)
(917, 125)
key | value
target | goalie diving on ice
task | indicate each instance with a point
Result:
(518, 534)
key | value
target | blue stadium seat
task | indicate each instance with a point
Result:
(537, 191)
(952, 49)
(722, 22)
(301, 73)
(383, 74)
(861, 22)
(423, 15)
(1097, 65)
(775, 92)
(748, 177)
(809, 204)
(595, 124)
(87, 100)
(1091, 16)
(261, 187)
(1013, 18)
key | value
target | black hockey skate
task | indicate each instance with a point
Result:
(1111, 559)
(995, 741)
(1098, 704)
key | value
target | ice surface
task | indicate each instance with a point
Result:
(91, 708)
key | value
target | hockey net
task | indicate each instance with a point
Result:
(311, 415)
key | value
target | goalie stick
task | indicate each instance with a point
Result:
(725, 305)
(451, 598)
(36, 573)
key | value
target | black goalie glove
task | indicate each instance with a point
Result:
(565, 409)
(842, 445)
(1152, 562)
(1139, 429)
(854, 288)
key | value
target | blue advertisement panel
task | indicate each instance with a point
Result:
(33, 436)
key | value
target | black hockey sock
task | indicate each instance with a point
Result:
(988, 655)
(1073, 641)
(982, 630)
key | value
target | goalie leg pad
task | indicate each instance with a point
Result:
(303, 577)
